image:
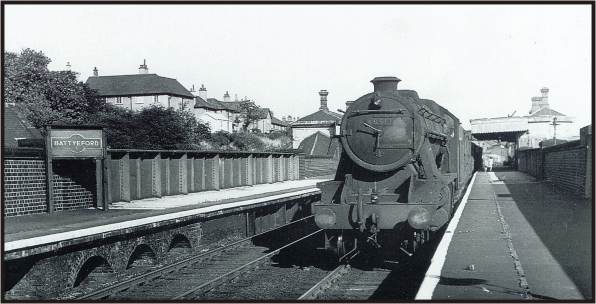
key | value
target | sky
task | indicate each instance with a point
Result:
(475, 60)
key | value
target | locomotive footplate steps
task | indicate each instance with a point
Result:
(516, 239)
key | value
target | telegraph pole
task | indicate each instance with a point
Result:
(555, 124)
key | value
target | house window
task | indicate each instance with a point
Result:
(119, 100)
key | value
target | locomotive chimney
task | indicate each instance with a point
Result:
(387, 84)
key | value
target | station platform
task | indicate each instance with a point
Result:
(514, 238)
(56, 229)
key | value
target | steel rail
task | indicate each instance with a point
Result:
(148, 276)
(328, 280)
(205, 287)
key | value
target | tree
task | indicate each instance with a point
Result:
(45, 96)
(151, 128)
(249, 113)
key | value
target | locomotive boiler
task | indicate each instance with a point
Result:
(404, 162)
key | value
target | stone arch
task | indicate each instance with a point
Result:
(179, 246)
(141, 256)
(94, 270)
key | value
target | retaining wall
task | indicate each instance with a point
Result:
(568, 165)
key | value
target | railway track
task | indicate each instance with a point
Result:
(290, 271)
(194, 274)
(360, 279)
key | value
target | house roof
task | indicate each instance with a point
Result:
(16, 126)
(278, 122)
(214, 104)
(137, 84)
(320, 117)
(547, 112)
(319, 144)
(263, 113)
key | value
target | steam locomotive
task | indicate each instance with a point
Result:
(405, 161)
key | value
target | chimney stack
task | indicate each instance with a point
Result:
(203, 92)
(544, 92)
(95, 72)
(386, 84)
(349, 103)
(539, 103)
(323, 94)
(68, 66)
(192, 89)
(226, 97)
(235, 97)
(143, 68)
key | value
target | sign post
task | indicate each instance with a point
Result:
(49, 172)
(77, 142)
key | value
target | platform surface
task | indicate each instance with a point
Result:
(31, 227)
(518, 239)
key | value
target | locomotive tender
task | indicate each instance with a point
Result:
(404, 163)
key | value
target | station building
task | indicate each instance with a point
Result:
(528, 131)
(322, 123)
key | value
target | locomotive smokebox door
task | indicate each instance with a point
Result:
(380, 130)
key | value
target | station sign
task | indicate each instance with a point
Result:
(76, 143)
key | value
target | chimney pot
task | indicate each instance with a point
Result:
(203, 92)
(95, 72)
(143, 68)
(386, 84)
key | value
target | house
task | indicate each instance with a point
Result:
(279, 125)
(324, 121)
(220, 115)
(141, 90)
(263, 123)
(227, 115)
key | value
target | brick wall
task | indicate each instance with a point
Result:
(24, 186)
(25, 189)
(69, 195)
(567, 169)
(530, 161)
(566, 165)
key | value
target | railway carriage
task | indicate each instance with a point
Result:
(405, 161)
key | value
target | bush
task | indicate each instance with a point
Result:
(221, 140)
(247, 142)
(151, 128)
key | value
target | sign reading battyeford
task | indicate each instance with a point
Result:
(76, 143)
